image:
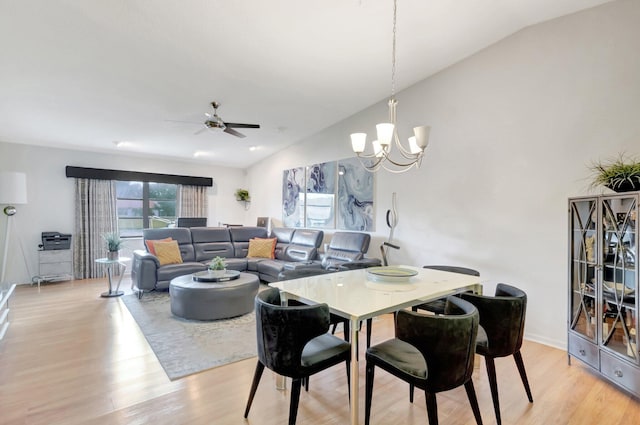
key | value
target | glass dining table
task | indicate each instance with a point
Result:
(365, 293)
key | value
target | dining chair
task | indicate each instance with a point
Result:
(293, 341)
(432, 352)
(334, 319)
(501, 330)
(437, 306)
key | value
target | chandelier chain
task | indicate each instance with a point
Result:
(393, 52)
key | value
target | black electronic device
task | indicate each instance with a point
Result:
(55, 240)
(191, 222)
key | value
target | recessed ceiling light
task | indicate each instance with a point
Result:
(253, 148)
(200, 154)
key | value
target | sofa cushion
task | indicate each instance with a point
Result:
(283, 236)
(168, 272)
(252, 264)
(261, 248)
(151, 248)
(167, 252)
(302, 247)
(210, 242)
(239, 264)
(179, 234)
(240, 237)
(270, 268)
(307, 237)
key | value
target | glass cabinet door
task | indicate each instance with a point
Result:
(583, 240)
(619, 318)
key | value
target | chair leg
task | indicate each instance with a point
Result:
(493, 384)
(348, 363)
(411, 388)
(369, 326)
(254, 386)
(368, 392)
(296, 385)
(523, 374)
(432, 407)
(473, 400)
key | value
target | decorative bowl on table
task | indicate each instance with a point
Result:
(390, 274)
(208, 276)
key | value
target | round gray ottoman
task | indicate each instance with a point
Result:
(213, 300)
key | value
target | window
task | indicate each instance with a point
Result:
(144, 205)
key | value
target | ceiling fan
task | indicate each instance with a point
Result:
(214, 121)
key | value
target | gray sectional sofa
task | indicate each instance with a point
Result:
(198, 245)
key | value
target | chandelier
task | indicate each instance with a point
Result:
(408, 157)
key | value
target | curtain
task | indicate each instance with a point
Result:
(96, 215)
(193, 201)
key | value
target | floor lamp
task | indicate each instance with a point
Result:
(13, 190)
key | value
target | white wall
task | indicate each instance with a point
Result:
(50, 195)
(514, 129)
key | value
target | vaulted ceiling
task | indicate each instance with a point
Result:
(138, 76)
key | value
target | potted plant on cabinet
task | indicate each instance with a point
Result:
(114, 243)
(217, 266)
(620, 175)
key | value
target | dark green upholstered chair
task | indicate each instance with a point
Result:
(294, 342)
(431, 352)
(501, 330)
(437, 306)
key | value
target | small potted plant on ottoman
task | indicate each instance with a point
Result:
(217, 266)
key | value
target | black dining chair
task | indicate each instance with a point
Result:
(334, 319)
(432, 352)
(437, 306)
(293, 341)
(501, 330)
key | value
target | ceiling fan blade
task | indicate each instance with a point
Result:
(233, 132)
(237, 125)
(200, 131)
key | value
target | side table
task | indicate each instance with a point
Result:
(122, 267)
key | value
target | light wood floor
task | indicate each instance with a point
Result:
(71, 357)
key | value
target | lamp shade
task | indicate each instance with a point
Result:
(358, 141)
(13, 188)
(385, 133)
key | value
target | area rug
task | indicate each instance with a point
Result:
(185, 347)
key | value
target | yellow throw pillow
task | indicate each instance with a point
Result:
(262, 248)
(168, 252)
(151, 242)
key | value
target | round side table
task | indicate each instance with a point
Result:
(109, 264)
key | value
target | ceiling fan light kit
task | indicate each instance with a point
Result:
(215, 122)
(388, 132)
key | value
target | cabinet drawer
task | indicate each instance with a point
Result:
(47, 269)
(55, 256)
(584, 350)
(622, 373)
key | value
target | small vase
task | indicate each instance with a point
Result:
(219, 273)
(112, 255)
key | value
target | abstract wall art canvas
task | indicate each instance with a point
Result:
(355, 196)
(321, 195)
(293, 194)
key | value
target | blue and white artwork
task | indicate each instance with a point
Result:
(321, 194)
(293, 192)
(355, 196)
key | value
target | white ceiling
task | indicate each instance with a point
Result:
(86, 74)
